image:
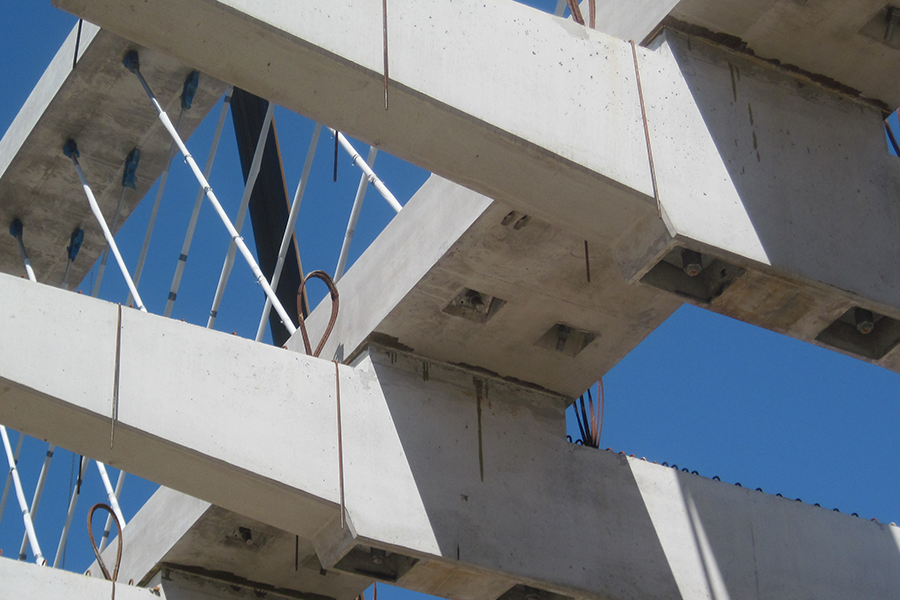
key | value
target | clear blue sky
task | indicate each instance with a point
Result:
(703, 391)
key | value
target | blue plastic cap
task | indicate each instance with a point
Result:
(75, 243)
(190, 88)
(131, 165)
(16, 228)
(131, 61)
(70, 149)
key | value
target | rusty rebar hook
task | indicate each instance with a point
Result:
(332, 290)
(100, 562)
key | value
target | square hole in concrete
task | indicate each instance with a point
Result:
(698, 277)
(375, 563)
(847, 334)
(566, 339)
(474, 305)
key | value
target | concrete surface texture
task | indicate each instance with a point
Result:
(176, 531)
(25, 580)
(440, 467)
(104, 109)
(849, 43)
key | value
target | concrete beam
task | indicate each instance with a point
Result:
(531, 275)
(465, 481)
(103, 107)
(836, 41)
(757, 167)
(549, 135)
(175, 531)
(25, 580)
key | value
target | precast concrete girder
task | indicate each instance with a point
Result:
(464, 481)
(25, 580)
(784, 185)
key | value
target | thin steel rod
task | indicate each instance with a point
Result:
(152, 223)
(73, 502)
(102, 268)
(20, 495)
(252, 175)
(373, 178)
(110, 493)
(107, 234)
(9, 473)
(640, 89)
(192, 225)
(109, 518)
(354, 216)
(245, 252)
(289, 228)
(36, 499)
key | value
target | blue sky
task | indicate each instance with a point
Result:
(703, 391)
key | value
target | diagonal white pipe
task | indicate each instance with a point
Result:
(289, 228)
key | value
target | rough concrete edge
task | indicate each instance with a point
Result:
(44, 93)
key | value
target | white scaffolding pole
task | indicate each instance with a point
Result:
(9, 474)
(152, 222)
(252, 175)
(73, 501)
(16, 229)
(354, 216)
(192, 224)
(373, 178)
(36, 499)
(102, 268)
(20, 495)
(131, 64)
(110, 493)
(71, 150)
(289, 228)
(106, 528)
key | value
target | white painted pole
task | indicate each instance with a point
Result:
(106, 528)
(354, 216)
(36, 499)
(20, 495)
(150, 225)
(192, 224)
(373, 178)
(73, 501)
(9, 474)
(16, 229)
(110, 493)
(289, 228)
(560, 8)
(207, 189)
(102, 268)
(252, 175)
(106, 233)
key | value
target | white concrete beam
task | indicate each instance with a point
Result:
(466, 474)
(526, 108)
(21, 580)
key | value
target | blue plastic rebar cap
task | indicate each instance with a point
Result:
(16, 228)
(70, 149)
(132, 61)
(190, 88)
(75, 243)
(129, 178)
